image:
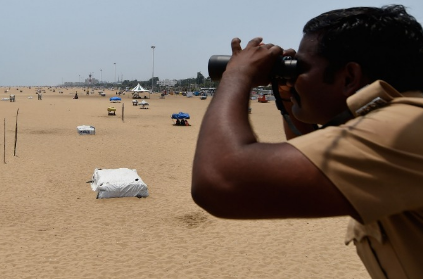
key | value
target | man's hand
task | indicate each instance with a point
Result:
(255, 61)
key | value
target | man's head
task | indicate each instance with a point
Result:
(386, 42)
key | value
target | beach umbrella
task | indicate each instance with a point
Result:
(180, 115)
(115, 99)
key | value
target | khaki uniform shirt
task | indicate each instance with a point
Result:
(376, 161)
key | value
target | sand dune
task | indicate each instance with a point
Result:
(52, 225)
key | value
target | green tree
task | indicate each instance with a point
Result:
(200, 79)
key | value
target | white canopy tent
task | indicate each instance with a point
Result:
(137, 90)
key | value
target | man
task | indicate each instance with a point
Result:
(366, 161)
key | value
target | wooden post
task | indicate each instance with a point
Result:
(16, 133)
(4, 144)
(123, 112)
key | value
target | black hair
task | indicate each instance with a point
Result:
(387, 42)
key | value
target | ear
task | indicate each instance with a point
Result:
(353, 78)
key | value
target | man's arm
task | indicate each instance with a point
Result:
(234, 176)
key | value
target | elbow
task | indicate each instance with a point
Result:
(202, 193)
(210, 196)
(204, 185)
(198, 196)
(212, 188)
(213, 208)
(197, 193)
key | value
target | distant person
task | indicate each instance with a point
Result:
(76, 96)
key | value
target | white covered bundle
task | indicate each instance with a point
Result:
(85, 130)
(117, 183)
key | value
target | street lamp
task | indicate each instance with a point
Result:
(152, 77)
(101, 76)
(115, 72)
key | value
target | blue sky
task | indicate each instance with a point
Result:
(47, 42)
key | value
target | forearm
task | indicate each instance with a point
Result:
(226, 142)
(225, 124)
(224, 132)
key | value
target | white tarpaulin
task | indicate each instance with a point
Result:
(85, 130)
(117, 183)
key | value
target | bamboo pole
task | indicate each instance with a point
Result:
(16, 133)
(123, 112)
(4, 143)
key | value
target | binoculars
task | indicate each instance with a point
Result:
(284, 68)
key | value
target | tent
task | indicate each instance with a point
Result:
(137, 90)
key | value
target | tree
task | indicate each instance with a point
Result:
(148, 83)
(199, 79)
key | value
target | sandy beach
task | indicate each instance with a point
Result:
(52, 225)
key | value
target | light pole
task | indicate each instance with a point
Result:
(101, 76)
(115, 72)
(152, 77)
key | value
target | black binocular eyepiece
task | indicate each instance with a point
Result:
(284, 68)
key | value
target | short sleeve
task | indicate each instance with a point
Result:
(376, 160)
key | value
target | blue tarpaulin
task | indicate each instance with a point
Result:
(180, 115)
(115, 99)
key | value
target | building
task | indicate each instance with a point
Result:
(167, 82)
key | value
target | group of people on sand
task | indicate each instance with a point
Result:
(182, 122)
